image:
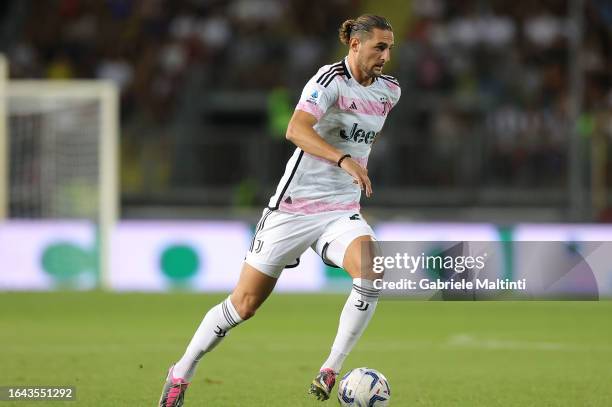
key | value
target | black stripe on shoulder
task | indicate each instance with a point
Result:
(295, 167)
(390, 79)
(331, 78)
(346, 71)
(332, 73)
(331, 68)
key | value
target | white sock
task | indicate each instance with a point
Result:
(354, 319)
(216, 324)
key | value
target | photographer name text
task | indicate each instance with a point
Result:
(438, 284)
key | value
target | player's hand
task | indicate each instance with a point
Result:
(359, 174)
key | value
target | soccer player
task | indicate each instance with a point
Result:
(340, 112)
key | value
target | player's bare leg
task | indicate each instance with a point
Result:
(253, 288)
(355, 316)
(251, 291)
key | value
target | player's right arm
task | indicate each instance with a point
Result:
(316, 99)
(300, 132)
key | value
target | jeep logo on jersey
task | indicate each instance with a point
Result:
(358, 135)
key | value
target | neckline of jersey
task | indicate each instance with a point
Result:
(351, 76)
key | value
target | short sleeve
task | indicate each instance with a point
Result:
(395, 95)
(318, 96)
(393, 88)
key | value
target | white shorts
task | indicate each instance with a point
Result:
(281, 238)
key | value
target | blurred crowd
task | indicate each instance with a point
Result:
(150, 47)
(487, 85)
(496, 77)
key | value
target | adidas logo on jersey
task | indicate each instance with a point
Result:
(353, 106)
(358, 135)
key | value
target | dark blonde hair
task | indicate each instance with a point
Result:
(361, 25)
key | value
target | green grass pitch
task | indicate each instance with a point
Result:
(115, 348)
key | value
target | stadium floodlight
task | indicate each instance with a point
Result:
(59, 153)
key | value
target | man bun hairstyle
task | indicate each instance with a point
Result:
(362, 25)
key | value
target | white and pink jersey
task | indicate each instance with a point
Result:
(350, 116)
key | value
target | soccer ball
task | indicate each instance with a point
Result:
(364, 387)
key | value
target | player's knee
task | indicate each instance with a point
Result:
(365, 268)
(359, 258)
(372, 270)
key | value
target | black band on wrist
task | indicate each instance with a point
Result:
(342, 159)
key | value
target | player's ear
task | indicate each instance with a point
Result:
(354, 43)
